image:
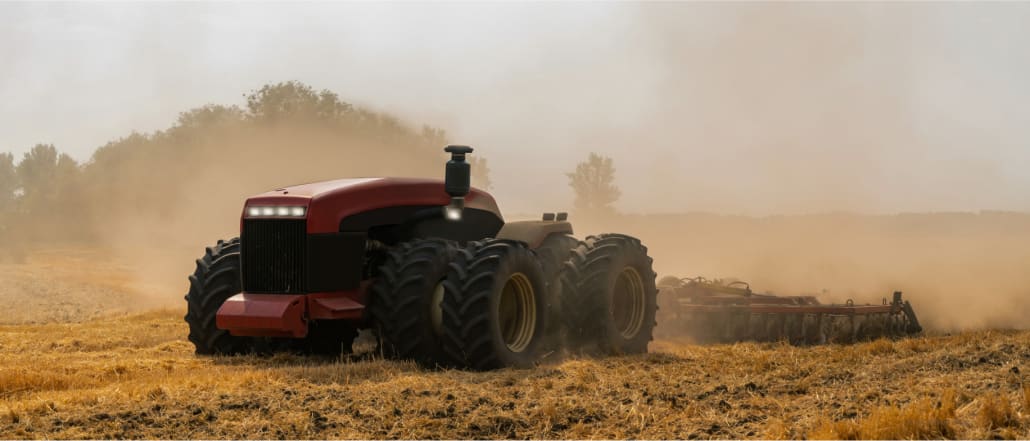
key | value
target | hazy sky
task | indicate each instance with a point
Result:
(764, 108)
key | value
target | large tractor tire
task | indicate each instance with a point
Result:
(609, 296)
(553, 253)
(405, 303)
(216, 279)
(494, 306)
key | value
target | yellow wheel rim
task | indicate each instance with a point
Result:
(516, 312)
(436, 309)
(628, 303)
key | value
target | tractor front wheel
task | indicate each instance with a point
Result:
(405, 303)
(216, 279)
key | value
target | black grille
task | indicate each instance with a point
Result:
(274, 253)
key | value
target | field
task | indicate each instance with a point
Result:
(87, 352)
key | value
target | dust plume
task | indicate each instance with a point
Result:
(960, 270)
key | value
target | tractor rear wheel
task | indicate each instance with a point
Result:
(609, 295)
(494, 305)
(405, 303)
(216, 279)
(553, 253)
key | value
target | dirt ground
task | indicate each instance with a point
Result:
(66, 286)
(85, 355)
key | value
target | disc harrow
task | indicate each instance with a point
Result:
(714, 311)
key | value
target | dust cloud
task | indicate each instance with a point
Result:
(960, 270)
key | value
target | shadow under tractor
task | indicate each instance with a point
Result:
(429, 265)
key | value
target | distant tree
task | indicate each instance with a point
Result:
(208, 117)
(45, 175)
(594, 185)
(8, 183)
(114, 154)
(295, 101)
(9, 246)
(37, 170)
(434, 136)
(480, 173)
(66, 175)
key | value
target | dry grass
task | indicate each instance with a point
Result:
(1026, 399)
(72, 285)
(135, 376)
(926, 419)
(996, 413)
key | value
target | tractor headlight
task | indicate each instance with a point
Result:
(452, 213)
(276, 211)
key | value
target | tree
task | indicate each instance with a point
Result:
(8, 183)
(208, 117)
(8, 186)
(37, 170)
(480, 173)
(45, 175)
(594, 184)
(297, 101)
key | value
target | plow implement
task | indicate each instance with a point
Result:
(713, 311)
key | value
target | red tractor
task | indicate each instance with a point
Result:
(430, 266)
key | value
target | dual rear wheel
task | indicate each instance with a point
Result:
(477, 306)
(609, 296)
(496, 303)
(494, 306)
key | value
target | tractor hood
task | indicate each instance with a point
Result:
(328, 203)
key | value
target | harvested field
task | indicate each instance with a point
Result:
(68, 285)
(133, 375)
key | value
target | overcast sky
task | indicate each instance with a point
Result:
(764, 108)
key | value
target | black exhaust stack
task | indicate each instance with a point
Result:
(457, 180)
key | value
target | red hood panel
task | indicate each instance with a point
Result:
(330, 201)
(316, 189)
